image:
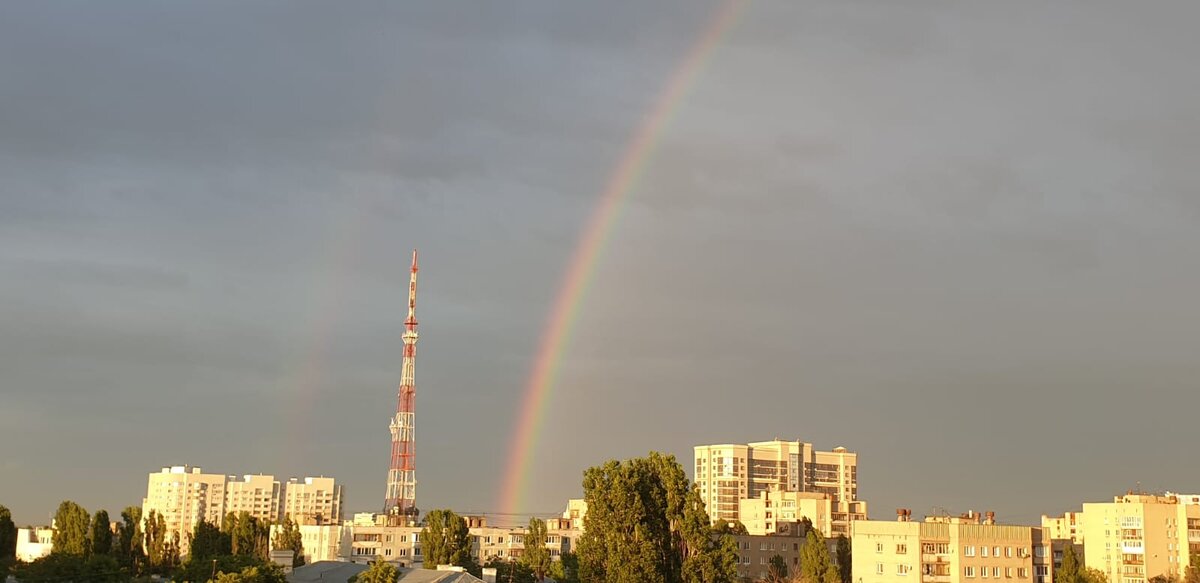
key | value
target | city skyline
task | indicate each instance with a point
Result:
(956, 241)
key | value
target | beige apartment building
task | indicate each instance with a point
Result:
(729, 473)
(185, 496)
(34, 543)
(780, 512)
(966, 549)
(1135, 537)
(755, 552)
(313, 501)
(364, 540)
(259, 495)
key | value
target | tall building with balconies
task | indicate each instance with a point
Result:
(259, 495)
(1137, 537)
(184, 496)
(726, 474)
(313, 501)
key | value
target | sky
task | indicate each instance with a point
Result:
(958, 238)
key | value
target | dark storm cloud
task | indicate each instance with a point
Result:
(929, 232)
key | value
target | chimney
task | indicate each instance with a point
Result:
(991, 518)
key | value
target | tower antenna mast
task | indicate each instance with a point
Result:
(400, 502)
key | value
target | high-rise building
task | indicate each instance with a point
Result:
(966, 549)
(259, 495)
(400, 501)
(1136, 537)
(729, 473)
(184, 497)
(313, 501)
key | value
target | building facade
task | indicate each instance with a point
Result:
(259, 495)
(755, 553)
(1135, 537)
(966, 549)
(186, 496)
(779, 512)
(313, 501)
(34, 543)
(726, 474)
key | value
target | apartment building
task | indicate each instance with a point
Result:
(780, 512)
(313, 501)
(185, 496)
(966, 549)
(364, 540)
(755, 553)
(259, 495)
(34, 543)
(1136, 536)
(729, 473)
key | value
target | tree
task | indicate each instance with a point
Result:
(206, 541)
(162, 547)
(102, 536)
(287, 536)
(59, 567)
(777, 571)
(263, 573)
(1069, 571)
(8, 535)
(645, 523)
(566, 568)
(446, 540)
(816, 566)
(806, 525)
(842, 554)
(536, 556)
(1192, 574)
(248, 535)
(727, 527)
(197, 569)
(380, 571)
(71, 529)
(129, 538)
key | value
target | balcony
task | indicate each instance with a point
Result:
(935, 578)
(933, 558)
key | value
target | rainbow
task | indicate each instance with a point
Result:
(557, 334)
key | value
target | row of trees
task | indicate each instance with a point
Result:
(86, 548)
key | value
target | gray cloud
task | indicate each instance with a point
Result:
(955, 238)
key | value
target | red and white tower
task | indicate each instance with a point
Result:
(401, 499)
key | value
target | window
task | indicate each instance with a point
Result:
(983, 552)
(1008, 551)
(901, 549)
(1008, 572)
(879, 547)
(968, 571)
(996, 572)
(902, 569)
(1022, 572)
(878, 568)
(983, 572)
(969, 552)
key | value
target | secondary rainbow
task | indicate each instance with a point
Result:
(557, 334)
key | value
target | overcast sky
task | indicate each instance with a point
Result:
(959, 238)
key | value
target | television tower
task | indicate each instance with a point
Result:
(400, 502)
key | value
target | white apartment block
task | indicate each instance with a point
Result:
(363, 540)
(34, 543)
(729, 473)
(185, 496)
